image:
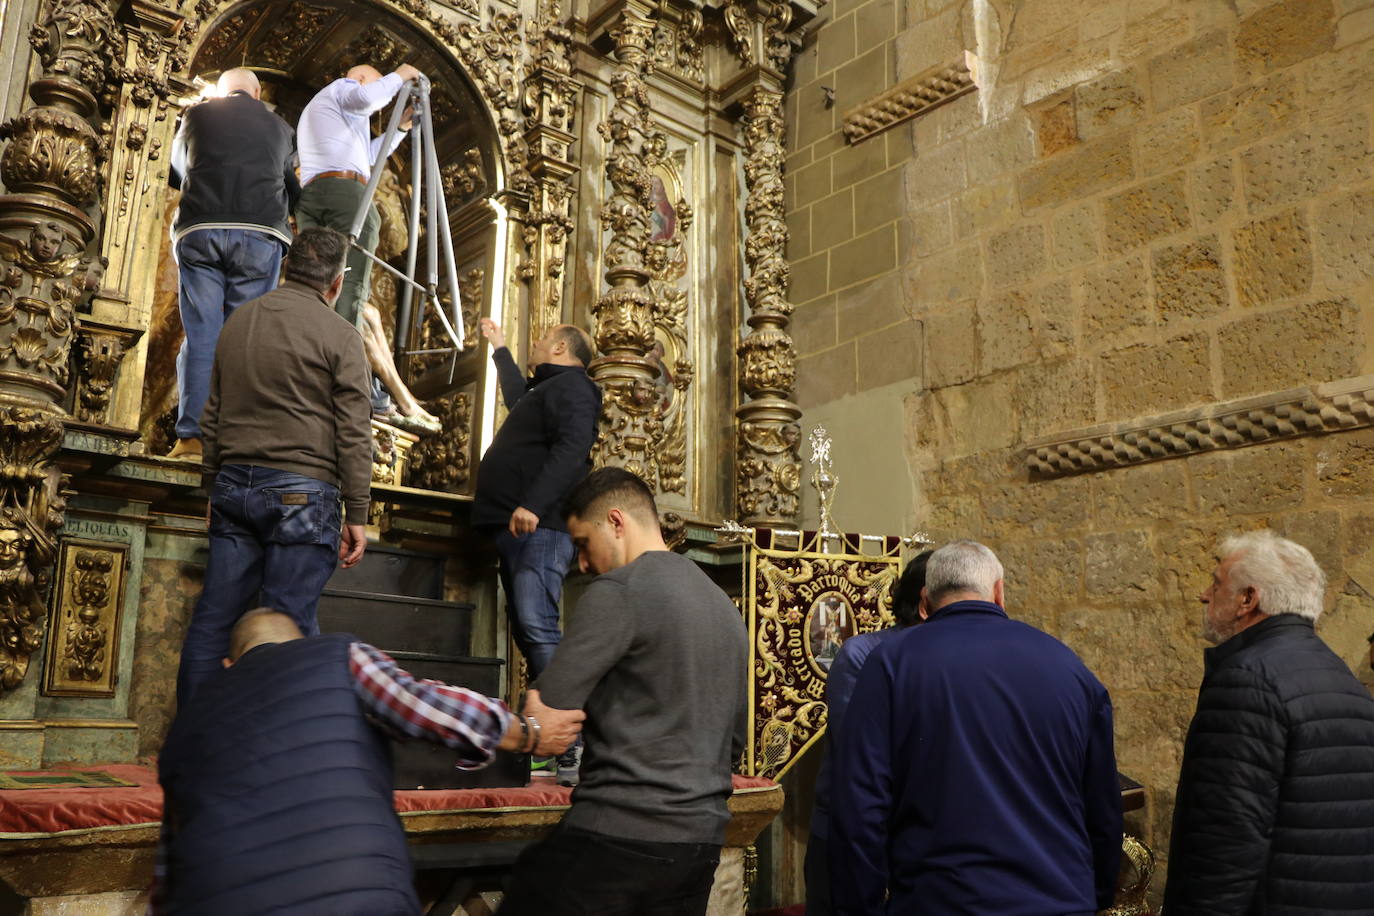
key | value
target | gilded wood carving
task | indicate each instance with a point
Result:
(86, 615)
(769, 467)
(51, 169)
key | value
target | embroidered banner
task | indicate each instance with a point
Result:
(801, 603)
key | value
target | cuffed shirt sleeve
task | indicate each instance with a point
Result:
(410, 707)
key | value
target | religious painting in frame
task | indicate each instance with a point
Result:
(801, 603)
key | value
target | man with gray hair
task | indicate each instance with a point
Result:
(975, 770)
(1275, 805)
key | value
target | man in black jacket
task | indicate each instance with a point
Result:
(538, 456)
(234, 162)
(1275, 805)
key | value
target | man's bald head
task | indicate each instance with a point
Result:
(260, 627)
(239, 79)
(364, 73)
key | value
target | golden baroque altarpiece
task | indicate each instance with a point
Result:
(614, 165)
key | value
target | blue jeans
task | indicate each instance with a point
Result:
(272, 532)
(220, 269)
(532, 570)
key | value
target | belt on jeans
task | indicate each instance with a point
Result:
(355, 176)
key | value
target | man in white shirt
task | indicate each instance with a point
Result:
(337, 150)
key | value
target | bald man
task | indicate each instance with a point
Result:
(234, 163)
(337, 152)
(539, 454)
(276, 775)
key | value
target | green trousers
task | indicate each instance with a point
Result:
(334, 202)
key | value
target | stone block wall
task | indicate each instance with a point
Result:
(1146, 207)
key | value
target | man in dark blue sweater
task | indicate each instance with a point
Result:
(839, 687)
(974, 771)
(539, 454)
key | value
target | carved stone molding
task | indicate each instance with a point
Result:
(100, 350)
(86, 620)
(630, 426)
(1332, 407)
(50, 169)
(768, 480)
(908, 99)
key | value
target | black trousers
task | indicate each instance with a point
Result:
(579, 873)
(816, 869)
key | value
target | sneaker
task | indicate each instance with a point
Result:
(543, 766)
(569, 763)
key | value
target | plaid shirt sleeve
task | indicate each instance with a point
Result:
(410, 707)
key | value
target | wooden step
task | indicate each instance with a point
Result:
(392, 571)
(395, 623)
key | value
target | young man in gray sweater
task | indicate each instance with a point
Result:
(657, 656)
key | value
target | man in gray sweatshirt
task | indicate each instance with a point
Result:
(657, 656)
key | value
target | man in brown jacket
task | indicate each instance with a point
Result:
(287, 433)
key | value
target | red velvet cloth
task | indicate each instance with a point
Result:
(28, 813)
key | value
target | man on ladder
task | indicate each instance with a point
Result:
(337, 152)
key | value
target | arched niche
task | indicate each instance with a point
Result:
(296, 48)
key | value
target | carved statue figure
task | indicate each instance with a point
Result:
(41, 256)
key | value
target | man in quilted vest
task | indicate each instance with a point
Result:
(276, 775)
(1275, 806)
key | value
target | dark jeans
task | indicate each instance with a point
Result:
(575, 872)
(334, 202)
(532, 571)
(218, 270)
(272, 532)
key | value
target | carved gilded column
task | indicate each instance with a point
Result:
(50, 167)
(549, 102)
(769, 467)
(630, 425)
(154, 40)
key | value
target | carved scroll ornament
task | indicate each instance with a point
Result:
(100, 351)
(442, 462)
(86, 619)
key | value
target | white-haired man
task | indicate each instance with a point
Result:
(974, 771)
(1275, 806)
